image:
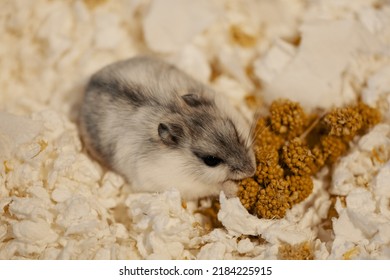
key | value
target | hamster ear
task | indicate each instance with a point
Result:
(194, 100)
(170, 133)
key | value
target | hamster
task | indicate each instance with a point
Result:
(162, 129)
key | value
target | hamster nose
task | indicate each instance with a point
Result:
(244, 172)
(251, 170)
(250, 167)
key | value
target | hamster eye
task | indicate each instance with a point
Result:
(211, 160)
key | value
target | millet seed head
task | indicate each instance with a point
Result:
(287, 118)
(285, 160)
(298, 157)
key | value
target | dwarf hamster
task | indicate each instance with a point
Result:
(161, 129)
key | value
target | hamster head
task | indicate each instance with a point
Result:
(213, 139)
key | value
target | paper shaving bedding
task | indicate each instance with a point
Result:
(56, 202)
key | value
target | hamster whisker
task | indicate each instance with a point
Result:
(249, 140)
(258, 132)
(254, 131)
